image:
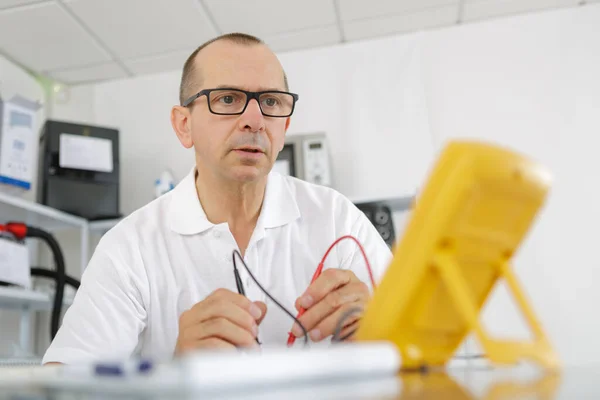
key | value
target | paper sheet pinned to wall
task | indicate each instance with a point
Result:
(88, 153)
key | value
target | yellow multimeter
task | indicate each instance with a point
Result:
(477, 206)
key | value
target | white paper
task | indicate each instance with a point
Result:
(282, 166)
(14, 263)
(17, 148)
(82, 152)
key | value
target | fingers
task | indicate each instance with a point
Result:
(224, 295)
(327, 326)
(224, 303)
(263, 309)
(222, 320)
(229, 311)
(355, 294)
(329, 280)
(348, 333)
(220, 328)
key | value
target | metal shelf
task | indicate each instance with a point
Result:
(101, 227)
(13, 208)
(37, 214)
(26, 301)
(17, 298)
(11, 297)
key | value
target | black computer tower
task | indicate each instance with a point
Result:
(87, 192)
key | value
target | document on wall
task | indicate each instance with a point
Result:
(17, 145)
(83, 152)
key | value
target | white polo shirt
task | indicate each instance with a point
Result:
(165, 257)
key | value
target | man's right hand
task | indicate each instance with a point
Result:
(224, 319)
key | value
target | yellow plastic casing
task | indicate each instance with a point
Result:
(477, 206)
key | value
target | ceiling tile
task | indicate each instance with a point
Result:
(137, 28)
(369, 28)
(17, 3)
(89, 74)
(53, 39)
(361, 9)
(164, 62)
(268, 17)
(326, 36)
(481, 9)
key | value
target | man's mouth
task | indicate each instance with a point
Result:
(249, 150)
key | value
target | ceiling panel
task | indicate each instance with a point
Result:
(304, 39)
(374, 27)
(54, 40)
(88, 74)
(361, 9)
(137, 28)
(481, 9)
(268, 17)
(165, 62)
(17, 3)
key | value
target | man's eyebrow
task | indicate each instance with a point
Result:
(260, 89)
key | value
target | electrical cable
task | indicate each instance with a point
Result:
(46, 273)
(235, 252)
(291, 337)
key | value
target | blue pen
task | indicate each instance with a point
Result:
(123, 369)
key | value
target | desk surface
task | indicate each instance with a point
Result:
(453, 383)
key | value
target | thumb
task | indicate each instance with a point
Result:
(263, 311)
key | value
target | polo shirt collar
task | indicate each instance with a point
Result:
(187, 217)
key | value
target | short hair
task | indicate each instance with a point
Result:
(188, 81)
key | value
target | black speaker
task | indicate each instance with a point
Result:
(380, 215)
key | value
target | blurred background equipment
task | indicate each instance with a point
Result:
(164, 183)
(79, 169)
(17, 143)
(380, 215)
(305, 156)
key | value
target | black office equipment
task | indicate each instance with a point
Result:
(380, 215)
(78, 169)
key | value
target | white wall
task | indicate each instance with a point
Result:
(369, 99)
(73, 104)
(530, 82)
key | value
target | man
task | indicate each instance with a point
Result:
(161, 282)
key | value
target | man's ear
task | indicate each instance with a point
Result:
(180, 120)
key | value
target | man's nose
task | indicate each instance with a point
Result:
(252, 118)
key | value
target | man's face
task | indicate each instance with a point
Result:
(222, 142)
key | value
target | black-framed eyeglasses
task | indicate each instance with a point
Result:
(231, 101)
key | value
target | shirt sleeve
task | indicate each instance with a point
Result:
(107, 315)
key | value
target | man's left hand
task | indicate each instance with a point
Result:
(331, 295)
